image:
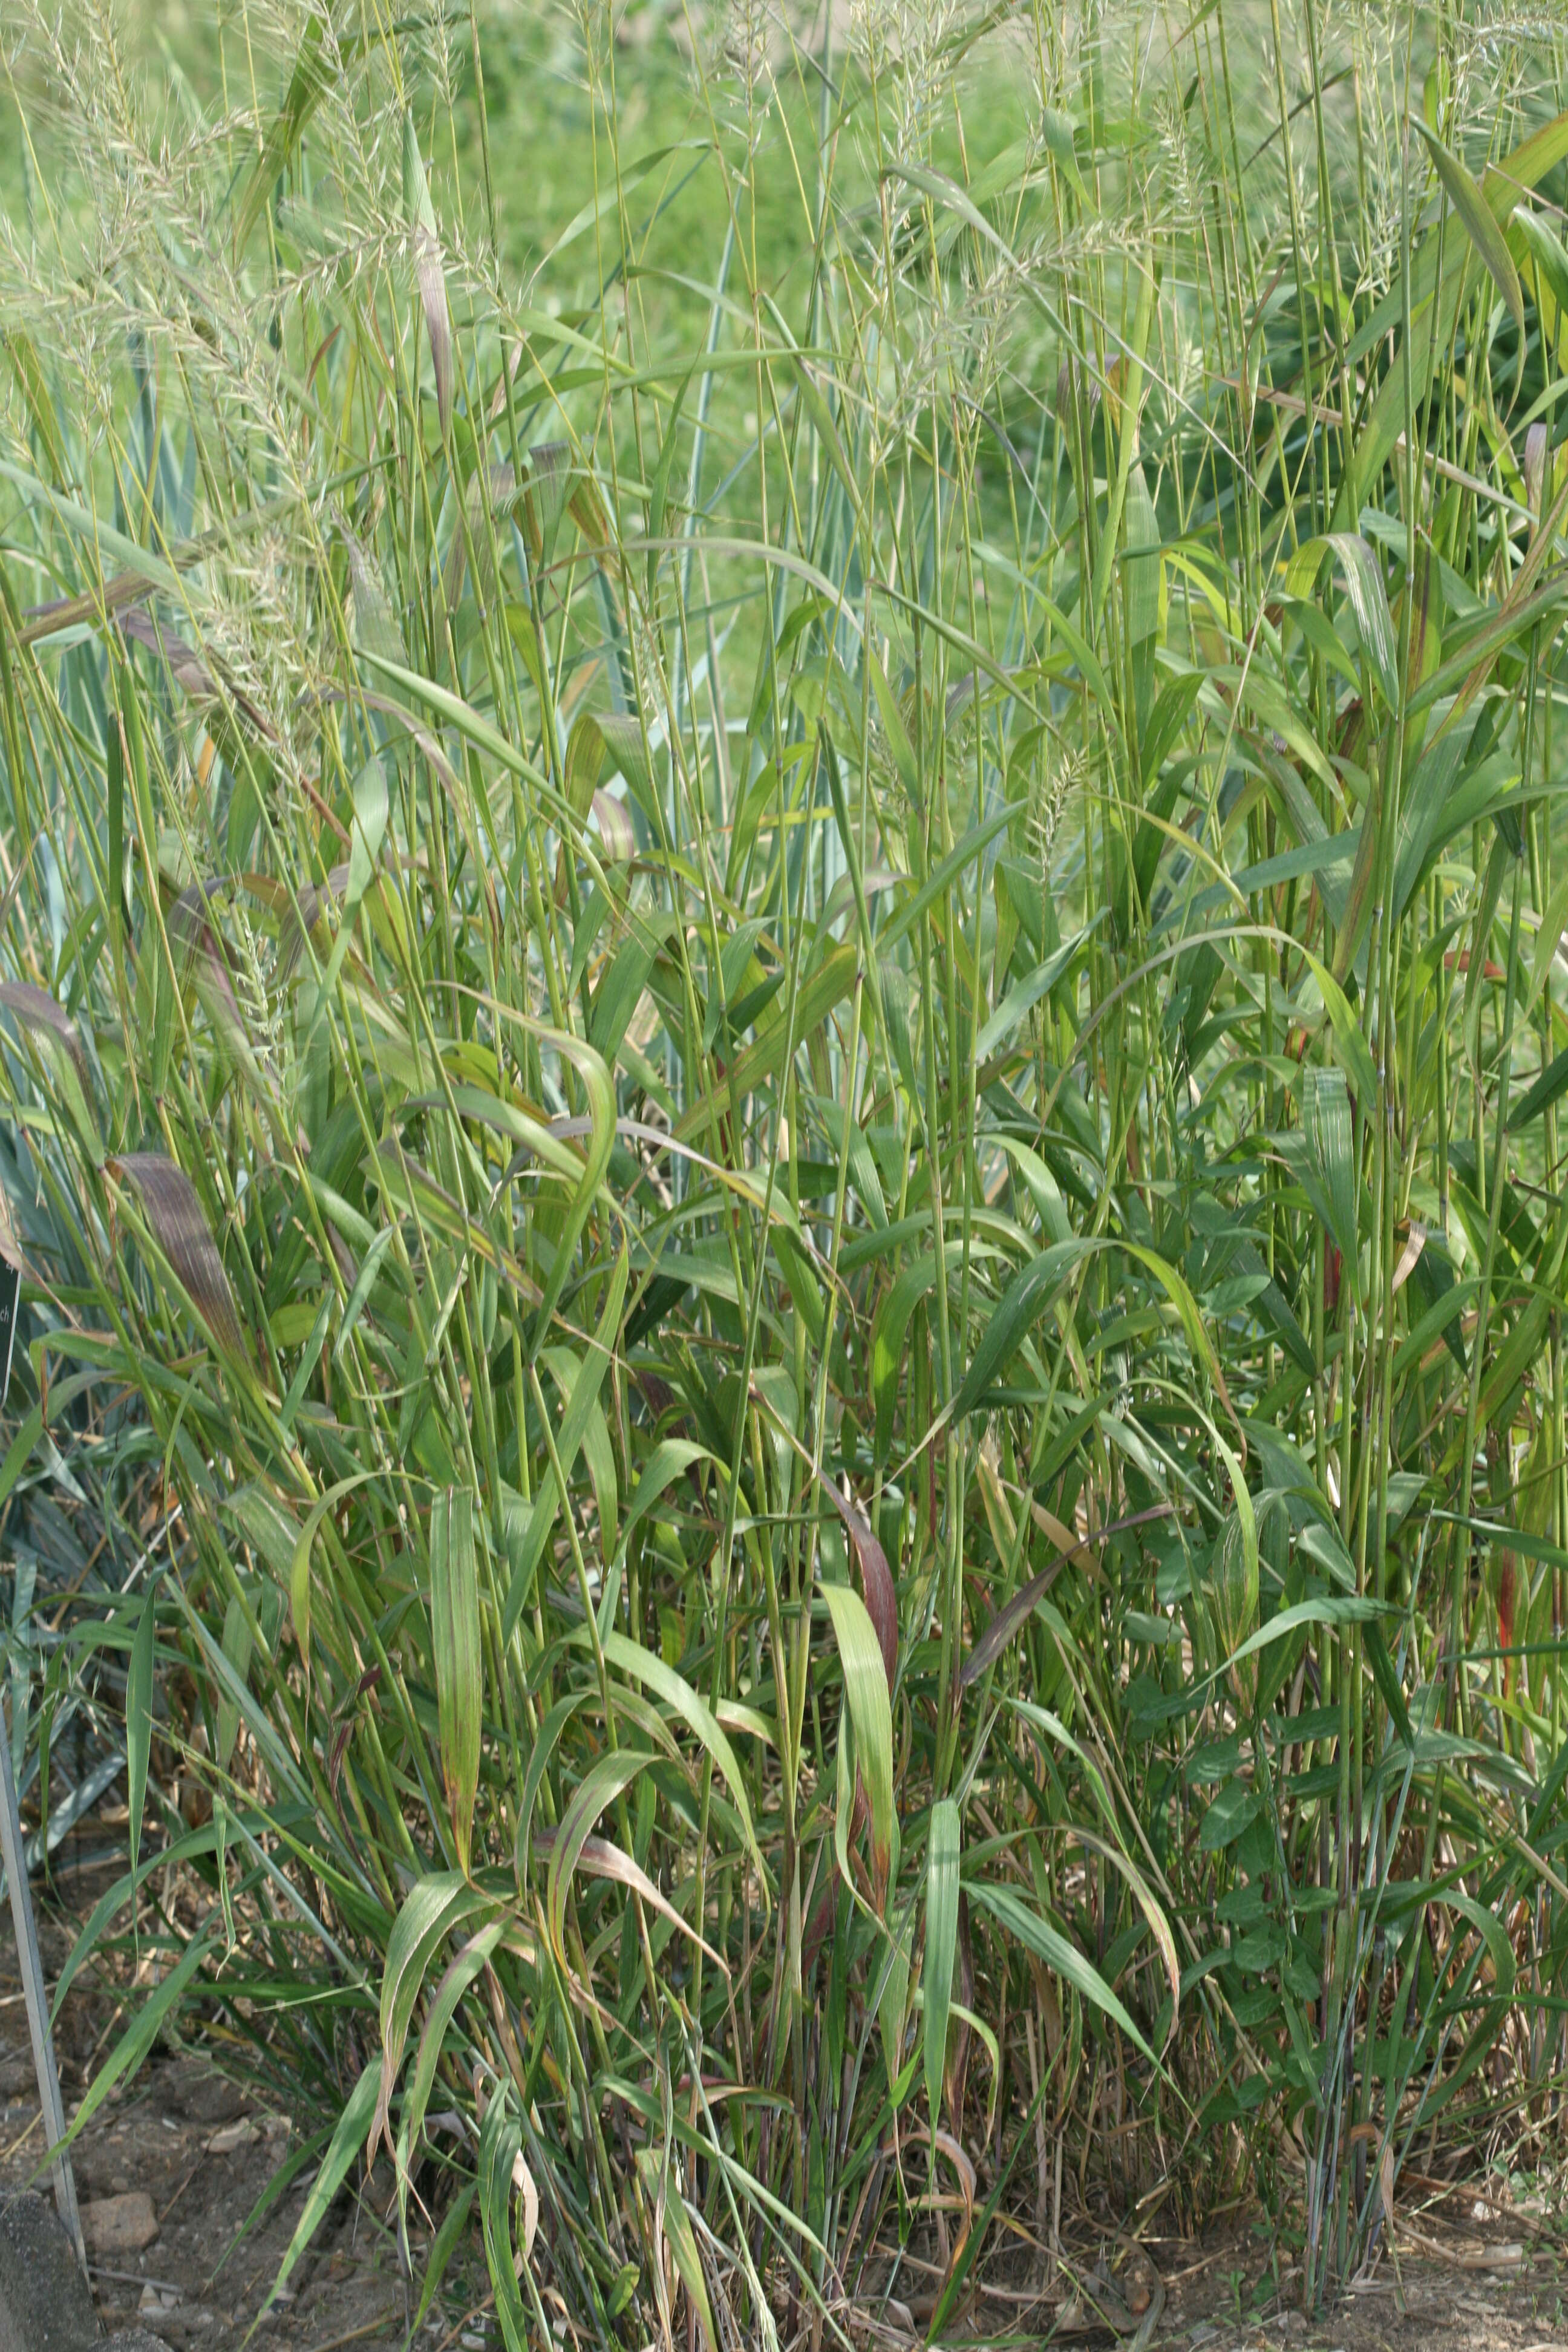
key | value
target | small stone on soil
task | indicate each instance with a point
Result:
(119, 2225)
(238, 2134)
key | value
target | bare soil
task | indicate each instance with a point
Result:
(205, 2156)
(1455, 2287)
(205, 2151)
(1427, 2301)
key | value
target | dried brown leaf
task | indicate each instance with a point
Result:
(37, 1010)
(173, 1210)
(437, 319)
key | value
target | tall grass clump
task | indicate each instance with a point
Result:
(784, 1031)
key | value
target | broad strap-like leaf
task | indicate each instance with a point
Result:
(868, 1710)
(146, 2024)
(1014, 1915)
(607, 1778)
(662, 2189)
(434, 1908)
(500, 2145)
(941, 1942)
(776, 1044)
(524, 1560)
(460, 1972)
(1481, 222)
(1022, 1304)
(1369, 602)
(1330, 1133)
(348, 2138)
(629, 1657)
(672, 1458)
(459, 1664)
